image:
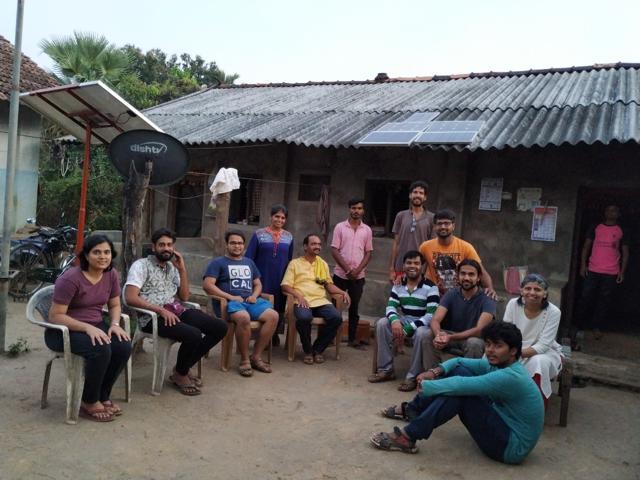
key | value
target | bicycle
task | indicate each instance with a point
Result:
(40, 258)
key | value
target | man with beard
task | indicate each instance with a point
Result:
(307, 280)
(409, 310)
(152, 284)
(351, 247)
(237, 279)
(410, 229)
(446, 251)
(494, 397)
(462, 314)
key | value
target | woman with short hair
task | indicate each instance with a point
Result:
(78, 298)
(538, 321)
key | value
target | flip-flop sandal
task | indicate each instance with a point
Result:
(308, 359)
(318, 358)
(245, 371)
(189, 390)
(391, 412)
(100, 415)
(383, 441)
(112, 408)
(196, 381)
(260, 365)
(408, 386)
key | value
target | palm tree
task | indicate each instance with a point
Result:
(86, 56)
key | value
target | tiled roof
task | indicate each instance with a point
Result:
(32, 77)
(600, 103)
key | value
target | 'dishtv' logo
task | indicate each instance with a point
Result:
(156, 148)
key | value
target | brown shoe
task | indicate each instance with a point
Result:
(408, 385)
(379, 377)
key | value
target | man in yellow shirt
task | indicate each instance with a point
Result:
(443, 254)
(307, 279)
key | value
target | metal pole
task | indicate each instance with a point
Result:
(82, 214)
(8, 219)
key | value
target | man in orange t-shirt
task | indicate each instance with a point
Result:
(443, 254)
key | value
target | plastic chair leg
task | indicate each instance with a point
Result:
(127, 381)
(45, 383)
(75, 385)
(160, 357)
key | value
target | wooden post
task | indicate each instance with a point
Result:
(134, 194)
(223, 201)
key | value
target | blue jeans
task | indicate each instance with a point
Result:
(326, 333)
(477, 414)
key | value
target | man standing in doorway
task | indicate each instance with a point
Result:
(410, 229)
(351, 247)
(605, 255)
(443, 254)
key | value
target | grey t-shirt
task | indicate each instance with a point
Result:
(408, 240)
(463, 314)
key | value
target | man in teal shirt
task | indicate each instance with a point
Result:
(494, 397)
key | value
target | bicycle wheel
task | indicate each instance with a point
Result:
(30, 261)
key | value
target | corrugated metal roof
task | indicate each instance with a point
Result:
(549, 107)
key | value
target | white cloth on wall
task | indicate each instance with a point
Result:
(226, 180)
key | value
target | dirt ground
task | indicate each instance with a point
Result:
(301, 422)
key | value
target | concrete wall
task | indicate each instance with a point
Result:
(26, 179)
(501, 238)
(504, 238)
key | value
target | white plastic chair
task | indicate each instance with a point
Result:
(41, 302)
(161, 345)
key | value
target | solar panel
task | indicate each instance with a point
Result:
(455, 131)
(401, 127)
(389, 138)
(423, 117)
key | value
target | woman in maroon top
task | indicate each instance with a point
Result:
(78, 298)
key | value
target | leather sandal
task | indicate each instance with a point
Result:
(379, 377)
(260, 365)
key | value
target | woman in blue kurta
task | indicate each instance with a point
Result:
(271, 249)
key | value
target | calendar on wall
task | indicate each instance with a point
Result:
(544, 224)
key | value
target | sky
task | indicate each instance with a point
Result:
(299, 41)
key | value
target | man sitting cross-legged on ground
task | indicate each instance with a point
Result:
(152, 284)
(307, 280)
(462, 314)
(409, 311)
(237, 279)
(494, 397)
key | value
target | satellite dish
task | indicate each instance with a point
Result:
(170, 157)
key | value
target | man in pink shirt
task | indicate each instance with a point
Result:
(605, 255)
(351, 247)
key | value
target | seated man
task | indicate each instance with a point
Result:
(237, 279)
(152, 284)
(307, 279)
(494, 397)
(409, 311)
(462, 314)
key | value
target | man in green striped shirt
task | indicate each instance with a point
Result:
(409, 310)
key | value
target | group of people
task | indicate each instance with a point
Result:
(494, 374)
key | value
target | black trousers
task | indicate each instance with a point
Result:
(197, 332)
(354, 288)
(103, 363)
(595, 302)
(304, 316)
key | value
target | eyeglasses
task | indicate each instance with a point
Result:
(413, 224)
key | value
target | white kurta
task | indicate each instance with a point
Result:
(538, 333)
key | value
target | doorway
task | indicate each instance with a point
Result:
(625, 317)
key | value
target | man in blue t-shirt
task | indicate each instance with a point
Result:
(237, 279)
(459, 319)
(495, 398)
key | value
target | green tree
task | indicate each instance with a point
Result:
(86, 56)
